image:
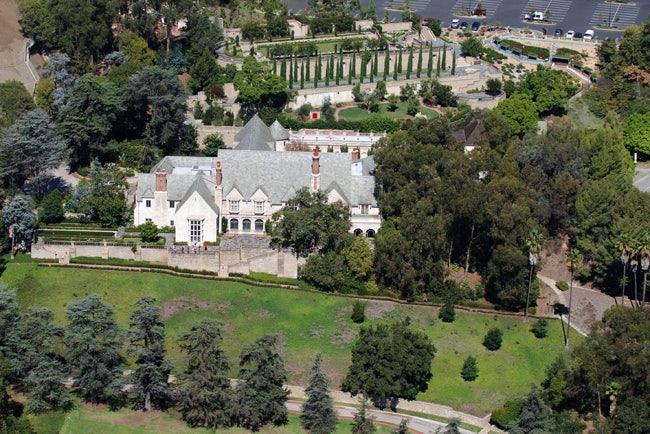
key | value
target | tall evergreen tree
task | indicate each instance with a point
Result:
(205, 393)
(302, 74)
(362, 74)
(409, 65)
(94, 342)
(403, 427)
(350, 72)
(438, 66)
(291, 73)
(260, 395)
(453, 63)
(419, 70)
(399, 61)
(318, 415)
(275, 65)
(327, 73)
(147, 336)
(363, 423)
(375, 65)
(444, 57)
(295, 67)
(308, 70)
(395, 66)
(372, 72)
(319, 68)
(331, 66)
(430, 62)
(46, 389)
(386, 63)
(354, 65)
(283, 69)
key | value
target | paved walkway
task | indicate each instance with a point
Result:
(416, 423)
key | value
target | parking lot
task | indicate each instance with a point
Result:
(578, 15)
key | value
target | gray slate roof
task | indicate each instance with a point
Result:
(278, 131)
(255, 136)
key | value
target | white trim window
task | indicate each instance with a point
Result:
(196, 231)
(259, 207)
(172, 204)
(147, 203)
(233, 205)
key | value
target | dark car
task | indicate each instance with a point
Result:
(558, 32)
(463, 25)
(475, 25)
(578, 35)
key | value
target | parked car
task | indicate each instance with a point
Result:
(536, 16)
(570, 34)
(578, 35)
(475, 26)
(455, 23)
(463, 25)
(589, 35)
(558, 32)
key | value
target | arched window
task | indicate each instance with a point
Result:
(234, 224)
(259, 225)
(358, 232)
(370, 233)
(246, 225)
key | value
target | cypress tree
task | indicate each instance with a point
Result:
(327, 73)
(302, 74)
(399, 62)
(444, 57)
(295, 68)
(319, 67)
(283, 70)
(375, 65)
(339, 70)
(363, 70)
(331, 68)
(430, 62)
(409, 65)
(318, 413)
(275, 66)
(350, 71)
(372, 70)
(354, 65)
(291, 73)
(419, 71)
(386, 63)
(308, 71)
(453, 63)
(316, 74)
(438, 66)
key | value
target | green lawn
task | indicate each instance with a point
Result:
(308, 323)
(96, 421)
(357, 113)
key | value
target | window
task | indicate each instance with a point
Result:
(259, 207)
(233, 205)
(234, 224)
(259, 225)
(147, 203)
(364, 209)
(172, 204)
(196, 231)
(370, 233)
(246, 225)
(171, 223)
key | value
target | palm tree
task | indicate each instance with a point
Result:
(573, 259)
(624, 245)
(644, 253)
(534, 243)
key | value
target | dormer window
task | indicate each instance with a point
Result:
(364, 208)
(259, 207)
(233, 205)
(147, 203)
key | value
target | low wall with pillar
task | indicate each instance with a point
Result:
(222, 261)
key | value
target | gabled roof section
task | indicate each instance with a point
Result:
(334, 186)
(278, 131)
(255, 136)
(203, 191)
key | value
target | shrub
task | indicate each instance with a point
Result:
(358, 312)
(447, 312)
(52, 208)
(562, 285)
(470, 369)
(148, 232)
(506, 414)
(540, 328)
(493, 339)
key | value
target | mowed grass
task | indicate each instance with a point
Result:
(357, 113)
(98, 421)
(308, 323)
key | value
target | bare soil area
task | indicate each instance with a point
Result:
(12, 46)
(179, 304)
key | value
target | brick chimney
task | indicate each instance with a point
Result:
(218, 190)
(315, 170)
(356, 154)
(219, 179)
(161, 180)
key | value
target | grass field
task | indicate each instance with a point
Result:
(357, 113)
(308, 323)
(100, 420)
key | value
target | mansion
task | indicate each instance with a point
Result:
(239, 190)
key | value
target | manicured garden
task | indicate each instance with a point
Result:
(308, 323)
(358, 113)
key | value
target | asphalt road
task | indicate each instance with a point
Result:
(577, 15)
(416, 424)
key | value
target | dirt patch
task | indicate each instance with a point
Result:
(344, 334)
(179, 304)
(377, 308)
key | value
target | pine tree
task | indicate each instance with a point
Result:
(147, 336)
(94, 343)
(469, 372)
(409, 65)
(363, 422)
(205, 393)
(419, 70)
(318, 415)
(403, 427)
(430, 62)
(260, 397)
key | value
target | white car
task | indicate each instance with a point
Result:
(570, 34)
(589, 35)
(455, 23)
